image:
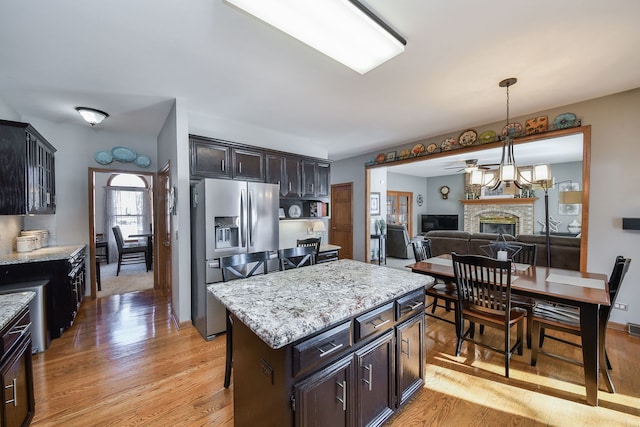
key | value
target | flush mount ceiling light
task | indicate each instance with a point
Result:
(344, 30)
(91, 115)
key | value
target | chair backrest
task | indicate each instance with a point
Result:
(239, 266)
(118, 235)
(620, 268)
(312, 241)
(484, 284)
(296, 257)
(523, 253)
(421, 249)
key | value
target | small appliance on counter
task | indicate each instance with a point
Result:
(42, 237)
(25, 243)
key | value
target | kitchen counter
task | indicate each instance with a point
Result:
(51, 253)
(12, 304)
(285, 306)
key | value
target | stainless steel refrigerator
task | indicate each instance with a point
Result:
(227, 217)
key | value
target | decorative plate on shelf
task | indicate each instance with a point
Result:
(295, 211)
(512, 128)
(380, 158)
(405, 153)
(467, 138)
(447, 144)
(123, 154)
(487, 136)
(142, 161)
(535, 125)
(432, 148)
(565, 120)
(417, 149)
(104, 157)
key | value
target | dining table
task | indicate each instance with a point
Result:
(585, 290)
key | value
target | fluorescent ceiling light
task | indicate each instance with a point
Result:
(342, 29)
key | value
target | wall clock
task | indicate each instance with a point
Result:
(444, 191)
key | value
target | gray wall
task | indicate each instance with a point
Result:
(613, 193)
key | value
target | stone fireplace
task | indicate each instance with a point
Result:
(507, 216)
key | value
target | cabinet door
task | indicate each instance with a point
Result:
(323, 178)
(410, 357)
(308, 179)
(374, 381)
(275, 172)
(210, 160)
(248, 165)
(17, 378)
(292, 175)
(326, 398)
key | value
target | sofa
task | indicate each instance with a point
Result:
(565, 251)
(398, 242)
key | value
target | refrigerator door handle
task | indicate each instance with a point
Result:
(252, 217)
(243, 219)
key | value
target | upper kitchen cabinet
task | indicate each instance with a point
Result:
(28, 172)
(315, 179)
(218, 159)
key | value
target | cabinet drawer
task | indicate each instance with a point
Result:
(410, 305)
(316, 350)
(15, 331)
(373, 322)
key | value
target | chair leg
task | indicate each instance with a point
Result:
(536, 340)
(229, 360)
(520, 338)
(606, 356)
(507, 350)
(435, 305)
(460, 333)
(119, 264)
(529, 321)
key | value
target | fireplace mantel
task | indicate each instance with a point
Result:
(500, 201)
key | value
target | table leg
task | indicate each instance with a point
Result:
(589, 325)
(149, 252)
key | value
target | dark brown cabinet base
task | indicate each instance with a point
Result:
(355, 373)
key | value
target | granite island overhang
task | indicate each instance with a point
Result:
(291, 327)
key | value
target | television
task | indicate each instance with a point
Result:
(438, 222)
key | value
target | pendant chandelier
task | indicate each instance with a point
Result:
(508, 173)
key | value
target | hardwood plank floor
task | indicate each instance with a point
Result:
(124, 363)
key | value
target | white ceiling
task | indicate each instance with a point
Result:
(259, 86)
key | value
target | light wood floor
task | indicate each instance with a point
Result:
(124, 363)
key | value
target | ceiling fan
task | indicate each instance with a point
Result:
(471, 165)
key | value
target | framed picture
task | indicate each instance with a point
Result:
(391, 156)
(374, 204)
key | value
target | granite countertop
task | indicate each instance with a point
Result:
(285, 306)
(12, 304)
(51, 253)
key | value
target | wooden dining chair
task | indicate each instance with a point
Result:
(521, 253)
(311, 241)
(484, 297)
(567, 319)
(296, 257)
(440, 291)
(129, 253)
(239, 266)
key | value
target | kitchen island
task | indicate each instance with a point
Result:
(340, 343)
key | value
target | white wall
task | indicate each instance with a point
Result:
(614, 178)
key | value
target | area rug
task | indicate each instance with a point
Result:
(132, 278)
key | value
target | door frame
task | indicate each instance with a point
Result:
(91, 177)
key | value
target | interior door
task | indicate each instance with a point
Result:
(399, 209)
(164, 230)
(341, 223)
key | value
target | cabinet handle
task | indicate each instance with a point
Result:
(15, 394)
(289, 185)
(240, 167)
(368, 382)
(20, 329)
(415, 305)
(311, 185)
(222, 165)
(408, 352)
(343, 384)
(382, 322)
(333, 348)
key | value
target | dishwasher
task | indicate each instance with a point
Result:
(40, 337)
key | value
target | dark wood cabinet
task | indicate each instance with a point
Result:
(410, 357)
(248, 165)
(323, 179)
(315, 179)
(210, 160)
(374, 381)
(28, 171)
(16, 373)
(326, 398)
(292, 177)
(65, 290)
(275, 172)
